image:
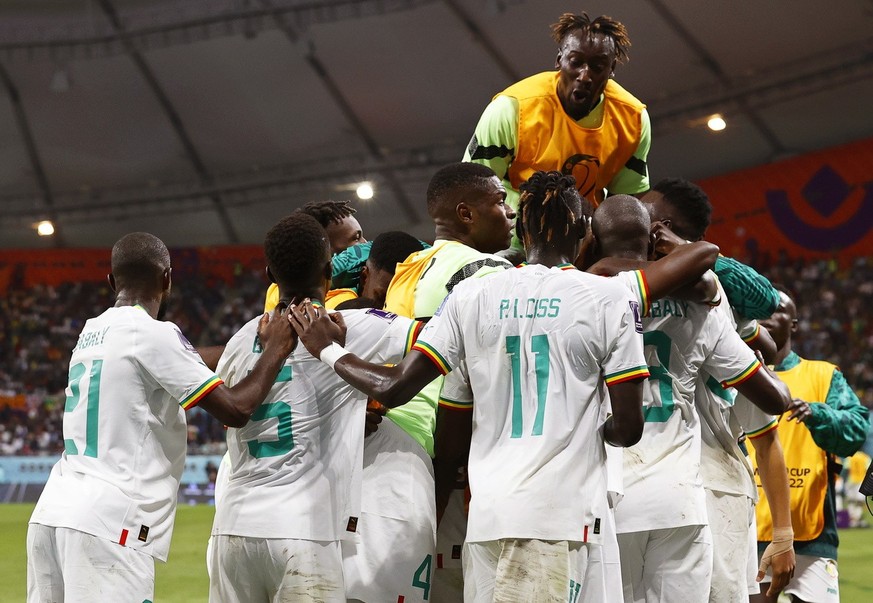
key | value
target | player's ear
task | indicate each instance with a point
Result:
(167, 279)
(111, 278)
(464, 212)
(270, 275)
(558, 60)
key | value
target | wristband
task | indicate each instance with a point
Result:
(332, 353)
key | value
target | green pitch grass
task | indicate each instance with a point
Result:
(184, 579)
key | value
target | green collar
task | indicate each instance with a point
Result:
(789, 363)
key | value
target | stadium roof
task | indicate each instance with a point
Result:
(204, 122)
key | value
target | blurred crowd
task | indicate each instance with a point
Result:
(39, 327)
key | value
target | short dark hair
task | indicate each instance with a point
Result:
(452, 179)
(391, 248)
(549, 200)
(328, 212)
(138, 258)
(297, 250)
(691, 202)
(607, 26)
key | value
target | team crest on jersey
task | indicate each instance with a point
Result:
(389, 316)
(185, 343)
(638, 315)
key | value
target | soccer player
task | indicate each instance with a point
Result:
(347, 243)
(576, 120)
(726, 416)
(292, 487)
(664, 540)
(537, 345)
(108, 507)
(471, 221)
(825, 420)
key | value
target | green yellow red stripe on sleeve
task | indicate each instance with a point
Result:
(455, 404)
(199, 393)
(412, 335)
(753, 336)
(630, 374)
(434, 356)
(643, 284)
(748, 372)
(765, 429)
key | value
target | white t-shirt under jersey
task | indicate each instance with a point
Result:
(294, 470)
(540, 344)
(124, 431)
(662, 483)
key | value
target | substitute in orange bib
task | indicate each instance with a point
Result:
(825, 421)
(576, 120)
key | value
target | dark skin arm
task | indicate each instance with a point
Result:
(625, 426)
(210, 355)
(683, 266)
(390, 385)
(766, 391)
(233, 406)
(454, 430)
(765, 345)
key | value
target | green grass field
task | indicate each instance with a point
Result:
(184, 580)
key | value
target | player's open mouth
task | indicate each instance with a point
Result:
(580, 96)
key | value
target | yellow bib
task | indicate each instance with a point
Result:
(549, 139)
(807, 463)
(400, 298)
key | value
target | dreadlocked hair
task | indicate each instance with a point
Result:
(607, 26)
(548, 202)
(328, 212)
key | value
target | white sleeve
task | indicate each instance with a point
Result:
(623, 332)
(441, 339)
(174, 363)
(730, 360)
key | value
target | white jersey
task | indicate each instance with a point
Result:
(124, 431)
(539, 345)
(725, 416)
(295, 468)
(662, 483)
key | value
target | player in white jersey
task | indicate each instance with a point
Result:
(539, 345)
(664, 540)
(292, 486)
(108, 507)
(725, 416)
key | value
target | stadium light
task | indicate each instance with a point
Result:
(364, 191)
(716, 123)
(45, 228)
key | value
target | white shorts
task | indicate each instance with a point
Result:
(671, 564)
(815, 579)
(75, 567)
(254, 570)
(448, 575)
(391, 553)
(525, 570)
(731, 520)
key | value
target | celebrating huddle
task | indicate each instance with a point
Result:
(411, 422)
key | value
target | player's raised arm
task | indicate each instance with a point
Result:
(321, 333)
(234, 405)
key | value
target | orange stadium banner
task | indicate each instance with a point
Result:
(29, 267)
(818, 205)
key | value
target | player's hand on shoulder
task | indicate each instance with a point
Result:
(275, 332)
(316, 328)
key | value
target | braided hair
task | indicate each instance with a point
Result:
(549, 206)
(607, 26)
(328, 212)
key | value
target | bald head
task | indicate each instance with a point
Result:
(139, 260)
(621, 226)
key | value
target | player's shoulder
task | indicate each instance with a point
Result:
(361, 321)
